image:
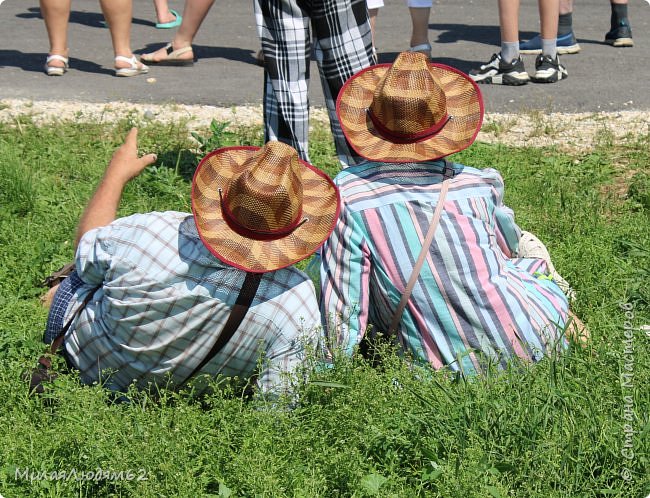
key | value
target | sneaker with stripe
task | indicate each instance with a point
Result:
(549, 70)
(566, 44)
(499, 72)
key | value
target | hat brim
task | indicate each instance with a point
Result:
(464, 105)
(321, 207)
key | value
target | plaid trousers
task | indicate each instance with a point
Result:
(340, 32)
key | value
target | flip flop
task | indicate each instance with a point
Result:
(172, 24)
(172, 58)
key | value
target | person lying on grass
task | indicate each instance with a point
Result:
(155, 296)
(476, 298)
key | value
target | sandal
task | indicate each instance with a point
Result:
(172, 24)
(56, 70)
(135, 69)
(424, 48)
(172, 57)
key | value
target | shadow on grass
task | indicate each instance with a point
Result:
(182, 161)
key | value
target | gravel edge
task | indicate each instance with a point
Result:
(576, 131)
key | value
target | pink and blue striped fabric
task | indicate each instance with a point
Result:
(474, 301)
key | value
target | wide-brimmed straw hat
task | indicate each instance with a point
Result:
(409, 111)
(262, 209)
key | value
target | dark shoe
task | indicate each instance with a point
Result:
(548, 70)
(499, 72)
(620, 36)
(566, 44)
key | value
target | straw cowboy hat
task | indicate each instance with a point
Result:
(409, 111)
(262, 209)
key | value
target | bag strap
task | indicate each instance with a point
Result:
(237, 314)
(58, 340)
(397, 316)
(58, 276)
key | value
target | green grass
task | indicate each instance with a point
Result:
(556, 428)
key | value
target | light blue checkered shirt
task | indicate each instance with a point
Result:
(163, 301)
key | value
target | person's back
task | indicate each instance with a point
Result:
(473, 300)
(163, 299)
(160, 298)
(472, 297)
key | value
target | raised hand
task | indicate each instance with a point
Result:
(125, 163)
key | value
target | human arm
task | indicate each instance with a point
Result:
(124, 166)
(345, 276)
(507, 231)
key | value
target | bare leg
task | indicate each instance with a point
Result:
(372, 14)
(118, 14)
(566, 6)
(193, 15)
(56, 14)
(420, 25)
(509, 20)
(549, 11)
(163, 14)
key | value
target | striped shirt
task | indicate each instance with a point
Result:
(474, 300)
(161, 300)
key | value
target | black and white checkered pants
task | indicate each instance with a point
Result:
(340, 32)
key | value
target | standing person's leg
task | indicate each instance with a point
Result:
(179, 51)
(373, 12)
(506, 67)
(343, 47)
(420, 10)
(119, 14)
(284, 31)
(56, 14)
(566, 40)
(620, 33)
(509, 27)
(565, 21)
(547, 65)
(549, 11)
(372, 17)
(167, 18)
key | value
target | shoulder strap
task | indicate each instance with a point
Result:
(423, 252)
(243, 302)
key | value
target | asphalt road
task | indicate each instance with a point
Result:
(464, 34)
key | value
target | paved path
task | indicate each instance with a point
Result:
(464, 34)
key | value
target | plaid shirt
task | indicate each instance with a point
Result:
(342, 47)
(163, 300)
(474, 299)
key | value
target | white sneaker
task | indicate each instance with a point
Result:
(531, 247)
